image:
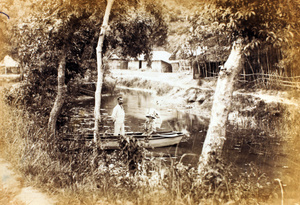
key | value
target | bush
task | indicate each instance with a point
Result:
(132, 153)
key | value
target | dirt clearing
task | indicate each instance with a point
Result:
(14, 191)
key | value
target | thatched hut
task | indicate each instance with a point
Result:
(9, 65)
(208, 63)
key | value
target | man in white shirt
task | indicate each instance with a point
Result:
(118, 116)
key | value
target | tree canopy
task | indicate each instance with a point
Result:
(270, 21)
(39, 39)
(12, 12)
(260, 23)
(143, 25)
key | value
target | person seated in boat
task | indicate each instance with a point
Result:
(152, 118)
(149, 125)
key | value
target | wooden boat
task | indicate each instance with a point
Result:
(109, 141)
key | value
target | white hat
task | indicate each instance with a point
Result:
(152, 113)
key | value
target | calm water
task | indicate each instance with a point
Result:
(241, 147)
(136, 105)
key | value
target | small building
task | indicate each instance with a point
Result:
(160, 62)
(115, 62)
(137, 63)
(9, 65)
(175, 66)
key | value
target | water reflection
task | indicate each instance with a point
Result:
(136, 105)
(238, 149)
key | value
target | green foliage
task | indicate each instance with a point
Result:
(132, 153)
(16, 10)
(39, 44)
(138, 31)
(268, 29)
(38, 41)
(265, 21)
(24, 97)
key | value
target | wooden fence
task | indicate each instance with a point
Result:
(271, 79)
(267, 80)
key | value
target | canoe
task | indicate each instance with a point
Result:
(158, 139)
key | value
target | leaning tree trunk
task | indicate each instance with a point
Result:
(61, 90)
(216, 134)
(100, 69)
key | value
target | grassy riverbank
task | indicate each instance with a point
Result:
(80, 177)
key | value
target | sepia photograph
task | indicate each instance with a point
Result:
(150, 102)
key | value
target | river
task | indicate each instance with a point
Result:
(241, 147)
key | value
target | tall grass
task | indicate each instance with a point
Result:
(13, 128)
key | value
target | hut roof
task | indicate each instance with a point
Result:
(161, 55)
(115, 57)
(158, 55)
(9, 62)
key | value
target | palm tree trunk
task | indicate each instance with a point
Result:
(100, 69)
(216, 134)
